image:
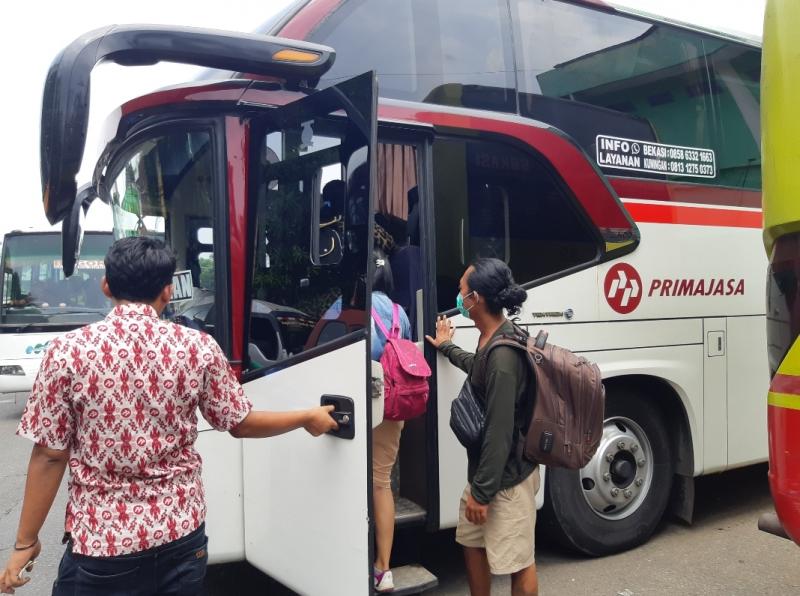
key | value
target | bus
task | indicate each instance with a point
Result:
(781, 227)
(611, 159)
(39, 302)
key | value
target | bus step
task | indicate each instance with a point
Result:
(407, 512)
(412, 579)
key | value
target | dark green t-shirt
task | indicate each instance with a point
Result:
(507, 401)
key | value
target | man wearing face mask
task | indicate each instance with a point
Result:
(498, 510)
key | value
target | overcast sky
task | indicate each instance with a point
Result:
(39, 30)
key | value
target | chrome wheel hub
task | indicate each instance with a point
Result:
(617, 480)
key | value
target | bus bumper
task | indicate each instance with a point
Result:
(769, 523)
(784, 461)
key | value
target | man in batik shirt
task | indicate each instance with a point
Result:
(117, 401)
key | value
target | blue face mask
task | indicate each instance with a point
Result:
(460, 305)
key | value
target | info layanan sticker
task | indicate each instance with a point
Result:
(656, 158)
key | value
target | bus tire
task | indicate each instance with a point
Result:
(617, 500)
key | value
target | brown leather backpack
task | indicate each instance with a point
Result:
(569, 401)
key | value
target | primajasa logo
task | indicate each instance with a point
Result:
(623, 288)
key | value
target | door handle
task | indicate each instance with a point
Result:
(343, 413)
(342, 418)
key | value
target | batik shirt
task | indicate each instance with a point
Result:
(122, 395)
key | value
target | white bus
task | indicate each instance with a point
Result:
(612, 160)
(39, 303)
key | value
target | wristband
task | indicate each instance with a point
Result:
(21, 548)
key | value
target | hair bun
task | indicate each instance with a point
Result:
(512, 297)
(492, 279)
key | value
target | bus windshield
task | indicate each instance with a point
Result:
(35, 291)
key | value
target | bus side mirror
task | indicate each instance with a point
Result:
(72, 229)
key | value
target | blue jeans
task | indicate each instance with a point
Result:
(174, 569)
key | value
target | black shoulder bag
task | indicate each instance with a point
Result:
(467, 417)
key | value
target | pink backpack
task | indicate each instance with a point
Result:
(405, 373)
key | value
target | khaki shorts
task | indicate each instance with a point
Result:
(385, 443)
(508, 534)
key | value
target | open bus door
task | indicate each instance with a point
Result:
(306, 502)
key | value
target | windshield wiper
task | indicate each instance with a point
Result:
(17, 327)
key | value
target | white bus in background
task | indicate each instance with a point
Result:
(39, 303)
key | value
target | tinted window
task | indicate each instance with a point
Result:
(592, 73)
(455, 52)
(735, 73)
(311, 234)
(494, 200)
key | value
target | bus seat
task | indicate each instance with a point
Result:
(264, 337)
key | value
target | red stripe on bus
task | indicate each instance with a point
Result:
(785, 384)
(681, 192)
(693, 216)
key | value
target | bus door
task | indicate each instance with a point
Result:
(528, 196)
(307, 501)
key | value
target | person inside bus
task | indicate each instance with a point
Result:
(497, 515)
(141, 500)
(385, 436)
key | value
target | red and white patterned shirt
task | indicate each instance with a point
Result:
(122, 394)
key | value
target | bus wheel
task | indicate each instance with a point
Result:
(617, 500)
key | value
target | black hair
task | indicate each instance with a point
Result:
(492, 279)
(382, 280)
(139, 268)
(332, 199)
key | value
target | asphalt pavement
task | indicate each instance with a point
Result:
(721, 553)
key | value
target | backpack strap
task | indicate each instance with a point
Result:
(517, 341)
(379, 322)
(396, 332)
(479, 367)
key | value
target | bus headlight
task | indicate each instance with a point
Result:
(14, 370)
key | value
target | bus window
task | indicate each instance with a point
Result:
(735, 73)
(494, 200)
(308, 285)
(165, 189)
(592, 73)
(454, 52)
